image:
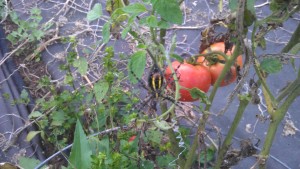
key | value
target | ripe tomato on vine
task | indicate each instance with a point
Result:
(189, 76)
(216, 64)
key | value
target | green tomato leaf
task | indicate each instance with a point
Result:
(164, 161)
(24, 94)
(58, 118)
(136, 66)
(250, 6)
(81, 151)
(135, 8)
(151, 21)
(233, 5)
(148, 164)
(154, 136)
(104, 145)
(82, 65)
(177, 57)
(35, 114)
(163, 125)
(197, 93)
(26, 162)
(249, 17)
(163, 24)
(169, 10)
(95, 13)
(31, 135)
(125, 32)
(271, 65)
(141, 46)
(106, 32)
(100, 90)
(249, 14)
(207, 156)
(295, 49)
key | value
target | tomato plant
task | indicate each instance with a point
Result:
(189, 76)
(216, 64)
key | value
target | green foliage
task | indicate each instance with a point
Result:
(271, 65)
(196, 93)
(25, 28)
(108, 103)
(95, 13)
(106, 32)
(154, 136)
(135, 8)
(28, 163)
(177, 57)
(136, 65)
(165, 160)
(100, 90)
(249, 12)
(208, 155)
(106, 158)
(81, 151)
(112, 5)
(82, 65)
(31, 135)
(169, 10)
(24, 98)
(162, 125)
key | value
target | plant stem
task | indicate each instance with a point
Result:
(293, 41)
(175, 149)
(162, 35)
(269, 98)
(242, 106)
(201, 127)
(291, 87)
(276, 118)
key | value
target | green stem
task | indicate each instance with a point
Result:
(242, 106)
(162, 35)
(293, 41)
(201, 127)
(174, 149)
(195, 57)
(269, 97)
(153, 35)
(226, 69)
(275, 121)
(177, 86)
(291, 87)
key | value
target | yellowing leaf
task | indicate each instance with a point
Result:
(31, 135)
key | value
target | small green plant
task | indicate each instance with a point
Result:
(29, 29)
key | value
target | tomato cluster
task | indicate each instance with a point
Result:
(203, 73)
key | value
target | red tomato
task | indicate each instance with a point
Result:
(217, 68)
(131, 138)
(189, 76)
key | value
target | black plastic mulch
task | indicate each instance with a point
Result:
(14, 116)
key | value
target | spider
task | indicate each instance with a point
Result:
(155, 87)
